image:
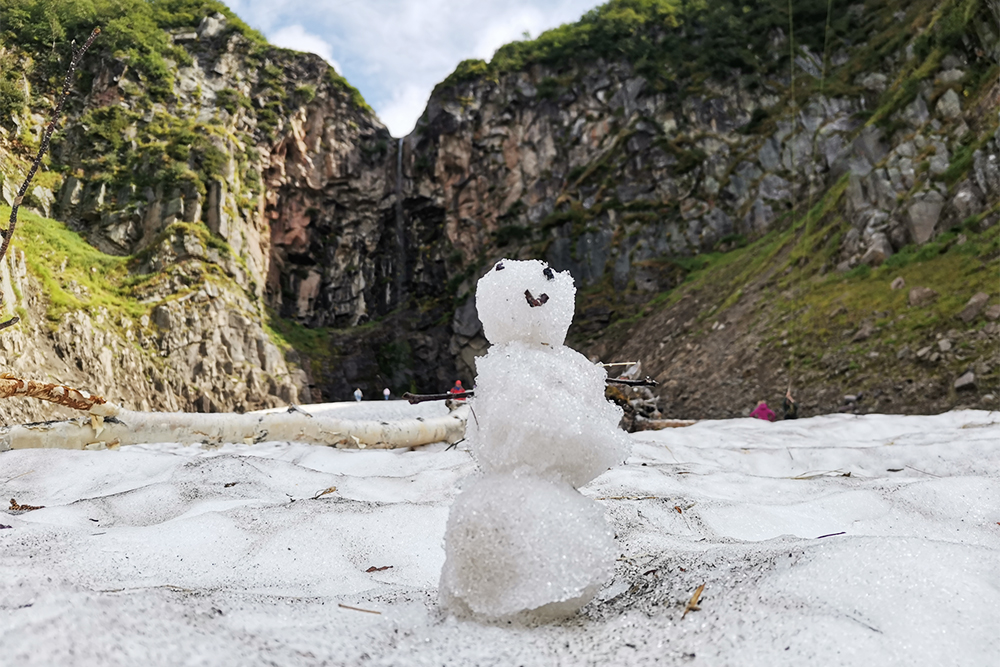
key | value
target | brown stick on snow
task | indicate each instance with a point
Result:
(54, 393)
(37, 162)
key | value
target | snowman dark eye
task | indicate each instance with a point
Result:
(548, 273)
(499, 266)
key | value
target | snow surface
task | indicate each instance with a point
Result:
(159, 554)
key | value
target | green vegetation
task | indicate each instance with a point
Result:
(169, 150)
(133, 31)
(939, 29)
(287, 334)
(74, 275)
(673, 41)
(341, 84)
(232, 100)
(12, 96)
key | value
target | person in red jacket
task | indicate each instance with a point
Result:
(763, 412)
(458, 389)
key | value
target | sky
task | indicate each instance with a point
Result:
(395, 51)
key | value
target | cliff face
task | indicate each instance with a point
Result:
(192, 187)
(278, 245)
(876, 149)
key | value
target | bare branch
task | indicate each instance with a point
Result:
(54, 393)
(648, 382)
(42, 149)
(422, 398)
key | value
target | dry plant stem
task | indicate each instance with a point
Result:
(42, 149)
(109, 426)
(423, 398)
(647, 382)
(692, 604)
(54, 393)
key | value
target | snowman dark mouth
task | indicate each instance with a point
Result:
(532, 301)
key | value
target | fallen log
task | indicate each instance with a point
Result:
(109, 426)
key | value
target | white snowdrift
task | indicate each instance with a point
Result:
(161, 554)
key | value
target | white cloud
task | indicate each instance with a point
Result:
(295, 37)
(506, 29)
(400, 114)
(395, 51)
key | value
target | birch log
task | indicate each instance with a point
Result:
(110, 426)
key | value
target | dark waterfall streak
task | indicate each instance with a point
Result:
(400, 232)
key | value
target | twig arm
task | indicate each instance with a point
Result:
(422, 398)
(646, 382)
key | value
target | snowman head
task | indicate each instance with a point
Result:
(525, 301)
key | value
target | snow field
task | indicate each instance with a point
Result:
(182, 566)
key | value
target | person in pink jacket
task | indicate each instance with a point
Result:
(763, 412)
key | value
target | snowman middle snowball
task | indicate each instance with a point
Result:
(542, 427)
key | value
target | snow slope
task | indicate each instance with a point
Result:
(163, 555)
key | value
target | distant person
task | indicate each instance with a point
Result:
(385, 393)
(790, 407)
(763, 412)
(458, 389)
(357, 394)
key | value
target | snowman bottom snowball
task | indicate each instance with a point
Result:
(524, 547)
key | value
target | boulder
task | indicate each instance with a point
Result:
(974, 307)
(966, 201)
(966, 381)
(878, 250)
(864, 332)
(993, 312)
(923, 214)
(922, 296)
(949, 105)
(898, 283)
(211, 26)
(944, 345)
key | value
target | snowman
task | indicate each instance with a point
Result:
(521, 541)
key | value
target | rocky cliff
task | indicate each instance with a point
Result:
(733, 213)
(841, 162)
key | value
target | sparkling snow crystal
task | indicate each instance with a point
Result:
(522, 540)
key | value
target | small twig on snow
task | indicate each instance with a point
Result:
(324, 492)
(17, 507)
(347, 606)
(692, 604)
(843, 532)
